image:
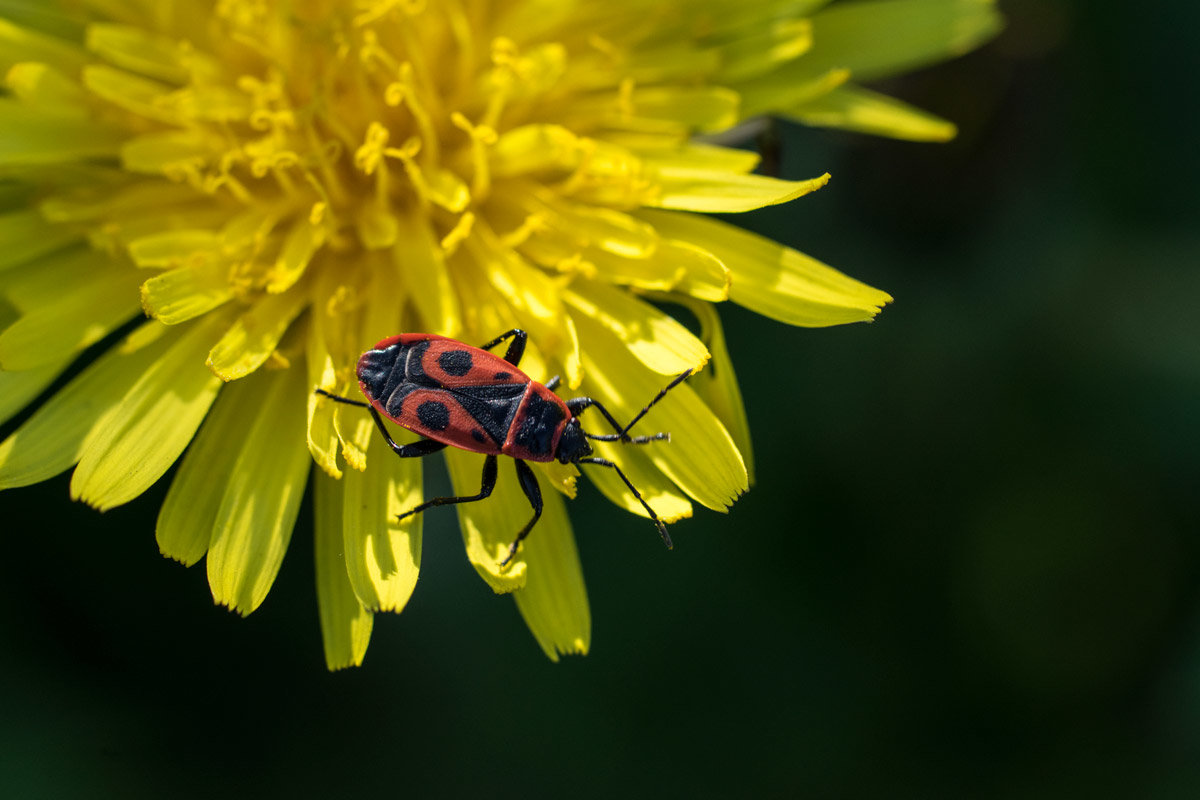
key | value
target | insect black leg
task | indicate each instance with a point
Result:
(487, 483)
(578, 404)
(662, 529)
(415, 450)
(530, 486)
(516, 348)
(552, 384)
(341, 399)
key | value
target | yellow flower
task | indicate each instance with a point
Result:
(278, 184)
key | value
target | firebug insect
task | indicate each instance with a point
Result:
(461, 396)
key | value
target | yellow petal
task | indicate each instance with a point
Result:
(258, 511)
(186, 293)
(718, 385)
(322, 437)
(185, 523)
(655, 338)
(701, 457)
(138, 439)
(554, 599)
(302, 243)
(664, 497)
(52, 439)
(345, 623)
(691, 108)
(774, 280)
(250, 341)
(857, 109)
(535, 300)
(382, 556)
(687, 189)
(697, 155)
(489, 526)
(562, 477)
(424, 268)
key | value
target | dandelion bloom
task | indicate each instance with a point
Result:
(279, 184)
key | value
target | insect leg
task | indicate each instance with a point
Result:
(414, 450)
(516, 348)
(488, 482)
(341, 399)
(529, 485)
(553, 383)
(662, 529)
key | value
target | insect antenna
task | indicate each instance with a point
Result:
(683, 376)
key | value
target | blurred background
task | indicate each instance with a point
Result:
(969, 566)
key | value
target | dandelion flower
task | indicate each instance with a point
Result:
(278, 184)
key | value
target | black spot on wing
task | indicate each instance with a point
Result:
(478, 436)
(502, 376)
(455, 362)
(434, 415)
(492, 406)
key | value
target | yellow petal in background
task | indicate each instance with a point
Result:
(42, 88)
(187, 517)
(856, 109)
(554, 599)
(18, 388)
(763, 49)
(137, 95)
(774, 280)
(878, 38)
(489, 526)
(52, 439)
(345, 623)
(254, 523)
(35, 137)
(26, 235)
(138, 439)
(138, 50)
(18, 44)
(382, 556)
(717, 384)
(175, 248)
(87, 308)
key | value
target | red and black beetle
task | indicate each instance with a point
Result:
(461, 396)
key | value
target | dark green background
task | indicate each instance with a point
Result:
(969, 566)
